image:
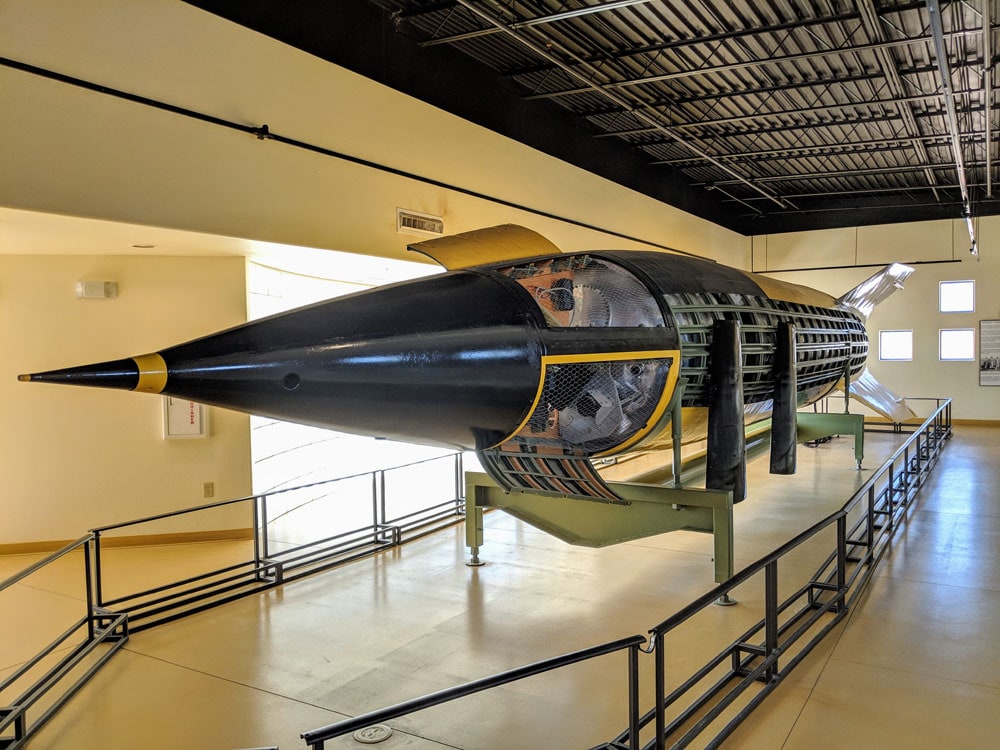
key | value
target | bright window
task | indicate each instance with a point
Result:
(957, 296)
(895, 346)
(957, 344)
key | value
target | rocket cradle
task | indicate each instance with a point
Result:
(536, 359)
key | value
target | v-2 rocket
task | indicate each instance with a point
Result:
(538, 360)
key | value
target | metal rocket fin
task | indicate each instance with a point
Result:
(485, 246)
(868, 391)
(875, 289)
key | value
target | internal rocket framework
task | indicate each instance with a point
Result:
(536, 359)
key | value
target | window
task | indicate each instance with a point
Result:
(895, 346)
(957, 296)
(957, 344)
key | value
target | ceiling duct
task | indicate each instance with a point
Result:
(414, 222)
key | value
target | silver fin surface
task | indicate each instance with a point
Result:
(880, 399)
(865, 296)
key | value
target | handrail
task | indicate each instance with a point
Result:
(69, 650)
(717, 698)
(101, 626)
(270, 564)
(761, 563)
(268, 493)
(752, 664)
(317, 737)
(45, 561)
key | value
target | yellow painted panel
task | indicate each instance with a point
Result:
(819, 249)
(483, 246)
(906, 243)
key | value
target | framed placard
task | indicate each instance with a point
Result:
(183, 418)
(989, 352)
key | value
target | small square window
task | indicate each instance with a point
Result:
(957, 344)
(895, 346)
(957, 296)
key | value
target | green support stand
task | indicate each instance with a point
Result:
(647, 510)
(816, 425)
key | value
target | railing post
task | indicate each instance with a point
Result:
(633, 698)
(89, 583)
(376, 524)
(265, 552)
(459, 483)
(381, 496)
(660, 685)
(255, 520)
(98, 585)
(771, 616)
(842, 561)
(870, 557)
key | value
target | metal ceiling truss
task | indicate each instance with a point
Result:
(762, 115)
(764, 104)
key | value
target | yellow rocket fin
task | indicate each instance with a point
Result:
(484, 246)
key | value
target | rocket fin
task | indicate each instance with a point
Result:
(875, 289)
(484, 246)
(867, 390)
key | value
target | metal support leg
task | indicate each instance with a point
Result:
(648, 509)
(474, 522)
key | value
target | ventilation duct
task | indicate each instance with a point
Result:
(414, 222)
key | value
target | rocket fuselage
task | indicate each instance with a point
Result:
(568, 355)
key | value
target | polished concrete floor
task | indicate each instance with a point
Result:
(915, 665)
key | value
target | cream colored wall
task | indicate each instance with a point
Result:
(915, 307)
(68, 150)
(75, 458)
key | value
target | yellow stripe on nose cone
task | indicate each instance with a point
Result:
(152, 373)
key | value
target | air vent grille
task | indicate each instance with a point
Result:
(414, 222)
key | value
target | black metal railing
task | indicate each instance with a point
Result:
(709, 705)
(283, 545)
(317, 737)
(404, 503)
(56, 669)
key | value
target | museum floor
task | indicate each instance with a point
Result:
(915, 665)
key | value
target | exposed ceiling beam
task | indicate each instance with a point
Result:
(538, 21)
(875, 145)
(589, 85)
(747, 64)
(802, 111)
(707, 39)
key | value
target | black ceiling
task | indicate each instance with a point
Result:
(760, 116)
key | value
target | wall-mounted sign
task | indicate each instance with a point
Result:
(989, 352)
(183, 418)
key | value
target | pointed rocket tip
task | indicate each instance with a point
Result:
(121, 373)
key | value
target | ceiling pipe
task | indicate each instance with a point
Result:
(937, 34)
(988, 91)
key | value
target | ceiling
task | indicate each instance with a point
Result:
(760, 116)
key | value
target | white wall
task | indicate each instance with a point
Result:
(70, 151)
(934, 244)
(75, 458)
